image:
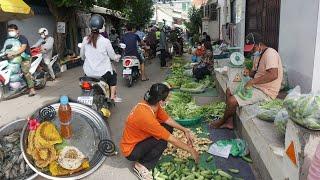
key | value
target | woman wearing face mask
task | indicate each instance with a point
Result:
(198, 53)
(148, 130)
(46, 44)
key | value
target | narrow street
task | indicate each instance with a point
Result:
(115, 167)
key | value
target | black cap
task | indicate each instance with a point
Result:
(96, 22)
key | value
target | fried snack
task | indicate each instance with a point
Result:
(43, 157)
(70, 158)
(56, 170)
(46, 136)
(31, 146)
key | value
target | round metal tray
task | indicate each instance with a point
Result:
(14, 127)
(88, 130)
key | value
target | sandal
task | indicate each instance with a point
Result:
(143, 173)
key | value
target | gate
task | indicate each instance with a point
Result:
(263, 17)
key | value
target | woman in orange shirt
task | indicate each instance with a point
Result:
(147, 131)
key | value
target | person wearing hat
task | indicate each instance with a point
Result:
(97, 53)
(266, 74)
(46, 43)
(148, 130)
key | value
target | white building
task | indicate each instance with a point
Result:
(169, 14)
(178, 5)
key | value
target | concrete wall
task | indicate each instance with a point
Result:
(298, 41)
(29, 27)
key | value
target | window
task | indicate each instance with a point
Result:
(213, 12)
(184, 6)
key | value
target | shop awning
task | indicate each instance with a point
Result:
(14, 9)
(110, 12)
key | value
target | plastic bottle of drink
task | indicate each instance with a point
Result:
(65, 117)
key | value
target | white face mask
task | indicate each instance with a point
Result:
(43, 36)
(12, 34)
(103, 29)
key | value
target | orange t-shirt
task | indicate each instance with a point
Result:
(270, 59)
(141, 124)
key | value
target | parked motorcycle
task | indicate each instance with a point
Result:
(131, 68)
(95, 93)
(12, 83)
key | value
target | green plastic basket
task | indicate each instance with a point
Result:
(189, 122)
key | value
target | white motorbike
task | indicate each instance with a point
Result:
(131, 68)
(10, 87)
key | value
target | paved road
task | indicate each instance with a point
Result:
(115, 167)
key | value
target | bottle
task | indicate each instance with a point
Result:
(65, 117)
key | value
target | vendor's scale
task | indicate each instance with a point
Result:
(236, 64)
(90, 133)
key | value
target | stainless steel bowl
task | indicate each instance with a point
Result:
(14, 127)
(89, 129)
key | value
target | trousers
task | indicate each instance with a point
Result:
(25, 67)
(149, 151)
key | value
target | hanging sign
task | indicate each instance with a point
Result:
(61, 27)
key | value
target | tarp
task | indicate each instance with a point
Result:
(14, 9)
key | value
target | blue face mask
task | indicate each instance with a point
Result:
(256, 54)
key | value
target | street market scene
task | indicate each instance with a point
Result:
(159, 89)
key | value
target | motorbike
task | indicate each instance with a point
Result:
(131, 68)
(95, 93)
(12, 82)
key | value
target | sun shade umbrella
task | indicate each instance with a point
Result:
(14, 9)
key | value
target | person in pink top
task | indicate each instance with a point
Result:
(314, 169)
(266, 74)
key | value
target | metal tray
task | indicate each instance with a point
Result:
(14, 127)
(88, 130)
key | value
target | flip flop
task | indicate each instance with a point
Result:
(31, 95)
(147, 79)
(142, 174)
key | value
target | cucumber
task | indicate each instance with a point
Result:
(249, 160)
(210, 158)
(235, 171)
(224, 174)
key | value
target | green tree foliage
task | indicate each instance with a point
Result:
(195, 23)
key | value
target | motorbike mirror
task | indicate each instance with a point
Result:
(9, 46)
(123, 46)
(79, 45)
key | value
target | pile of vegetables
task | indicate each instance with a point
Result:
(214, 109)
(207, 82)
(281, 120)
(304, 110)
(186, 170)
(200, 144)
(269, 110)
(248, 64)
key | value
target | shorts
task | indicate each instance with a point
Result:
(257, 96)
(111, 79)
(141, 59)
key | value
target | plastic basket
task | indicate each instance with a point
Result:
(189, 122)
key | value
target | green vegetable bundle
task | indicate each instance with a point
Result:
(187, 170)
(304, 109)
(281, 120)
(249, 64)
(207, 82)
(243, 92)
(213, 109)
(269, 110)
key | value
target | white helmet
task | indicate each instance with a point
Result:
(43, 31)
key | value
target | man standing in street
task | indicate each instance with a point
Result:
(25, 52)
(163, 47)
(46, 44)
(131, 40)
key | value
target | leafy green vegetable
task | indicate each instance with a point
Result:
(213, 109)
(273, 104)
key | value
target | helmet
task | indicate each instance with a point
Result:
(43, 31)
(96, 22)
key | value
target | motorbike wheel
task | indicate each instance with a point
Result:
(42, 84)
(130, 81)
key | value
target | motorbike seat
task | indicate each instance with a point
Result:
(88, 78)
(130, 57)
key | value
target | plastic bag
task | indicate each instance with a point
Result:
(242, 92)
(267, 115)
(285, 80)
(14, 68)
(239, 146)
(303, 109)
(281, 120)
(15, 78)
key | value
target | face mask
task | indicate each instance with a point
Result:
(12, 34)
(256, 54)
(43, 36)
(199, 47)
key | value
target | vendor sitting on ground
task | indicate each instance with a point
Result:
(267, 74)
(199, 52)
(147, 131)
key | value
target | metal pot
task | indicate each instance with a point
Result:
(14, 127)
